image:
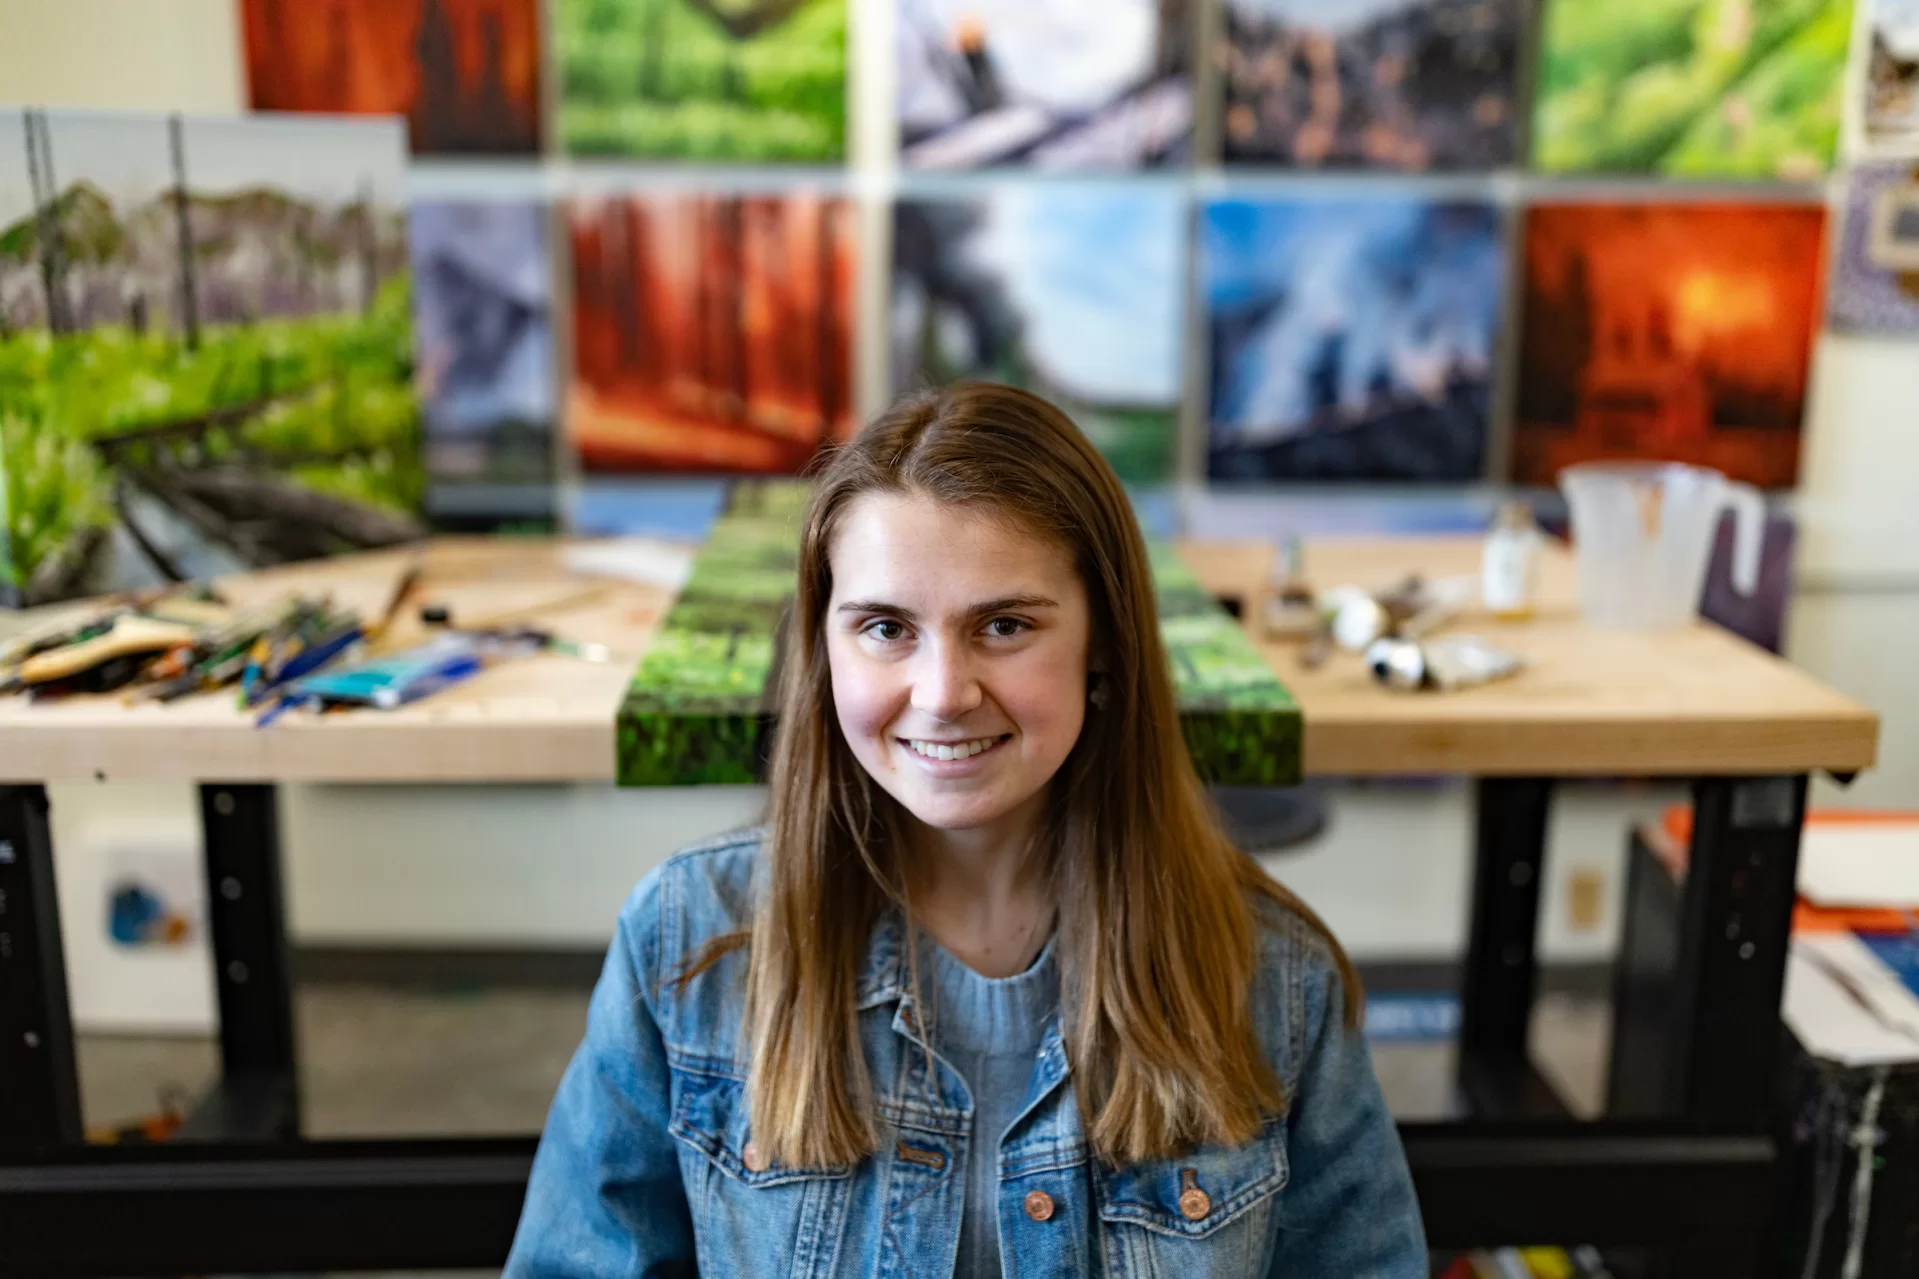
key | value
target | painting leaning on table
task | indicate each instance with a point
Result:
(205, 347)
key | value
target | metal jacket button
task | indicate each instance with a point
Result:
(1039, 1205)
(1194, 1203)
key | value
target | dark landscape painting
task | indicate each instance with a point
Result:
(1351, 339)
(484, 332)
(1676, 332)
(1073, 291)
(465, 73)
(711, 333)
(1372, 84)
(205, 346)
(1047, 84)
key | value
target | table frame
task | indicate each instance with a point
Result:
(1697, 1176)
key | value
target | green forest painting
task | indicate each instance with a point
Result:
(1691, 88)
(205, 371)
(742, 80)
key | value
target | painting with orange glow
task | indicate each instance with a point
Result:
(465, 73)
(710, 333)
(1679, 332)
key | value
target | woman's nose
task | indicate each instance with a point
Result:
(944, 685)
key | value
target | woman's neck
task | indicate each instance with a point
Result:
(984, 893)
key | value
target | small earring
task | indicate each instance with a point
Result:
(1098, 692)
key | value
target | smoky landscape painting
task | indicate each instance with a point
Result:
(1351, 339)
(483, 330)
(465, 73)
(1046, 84)
(205, 346)
(711, 333)
(1676, 332)
(1072, 291)
(1372, 84)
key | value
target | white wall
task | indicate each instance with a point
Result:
(548, 866)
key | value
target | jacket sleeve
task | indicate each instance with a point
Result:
(1348, 1208)
(605, 1198)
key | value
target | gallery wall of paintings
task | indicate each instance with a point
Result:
(1298, 243)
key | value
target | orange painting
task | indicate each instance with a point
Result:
(465, 73)
(710, 333)
(1678, 332)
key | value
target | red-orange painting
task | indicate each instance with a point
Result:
(1678, 332)
(710, 333)
(465, 73)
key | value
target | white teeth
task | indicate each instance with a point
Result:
(954, 750)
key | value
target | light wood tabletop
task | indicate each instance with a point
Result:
(547, 717)
(1690, 702)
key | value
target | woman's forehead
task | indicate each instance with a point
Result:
(890, 544)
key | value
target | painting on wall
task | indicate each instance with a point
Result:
(1019, 285)
(465, 73)
(483, 331)
(205, 346)
(1351, 339)
(740, 80)
(1875, 269)
(1892, 74)
(1678, 332)
(1049, 84)
(1372, 84)
(1691, 88)
(711, 333)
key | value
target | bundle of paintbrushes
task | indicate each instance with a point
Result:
(163, 647)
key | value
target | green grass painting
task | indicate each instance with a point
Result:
(760, 81)
(1746, 89)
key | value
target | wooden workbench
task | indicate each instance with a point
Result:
(1682, 702)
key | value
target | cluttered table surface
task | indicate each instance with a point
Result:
(1693, 701)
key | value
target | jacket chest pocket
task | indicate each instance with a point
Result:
(1209, 1212)
(750, 1217)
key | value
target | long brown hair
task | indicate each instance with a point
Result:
(1157, 908)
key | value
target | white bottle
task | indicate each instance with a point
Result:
(1509, 565)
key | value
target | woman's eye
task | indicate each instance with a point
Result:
(1005, 627)
(886, 629)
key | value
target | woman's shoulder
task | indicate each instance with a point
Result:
(1298, 983)
(702, 891)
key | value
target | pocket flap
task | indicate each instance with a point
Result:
(1193, 1195)
(711, 1117)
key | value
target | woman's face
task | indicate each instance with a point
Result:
(958, 648)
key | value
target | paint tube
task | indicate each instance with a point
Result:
(1455, 661)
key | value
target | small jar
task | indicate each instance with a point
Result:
(1509, 565)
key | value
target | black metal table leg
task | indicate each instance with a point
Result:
(1509, 853)
(259, 1094)
(1734, 930)
(39, 1083)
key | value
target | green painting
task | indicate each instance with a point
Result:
(205, 347)
(700, 708)
(1694, 88)
(740, 80)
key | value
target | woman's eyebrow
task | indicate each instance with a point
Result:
(1003, 604)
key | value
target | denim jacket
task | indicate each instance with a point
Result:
(646, 1168)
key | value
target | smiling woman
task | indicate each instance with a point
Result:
(992, 975)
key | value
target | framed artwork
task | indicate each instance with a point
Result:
(711, 333)
(1045, 84)
(1676, 332)
(1892, 74)
(1723, 88)
(465, 73)
(717, 80)
(1018, 284)
(1351, 339)
(483, 330)
(206, 351)
(1875, 267)
(1372, 84)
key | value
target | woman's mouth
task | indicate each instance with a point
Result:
(954, 750)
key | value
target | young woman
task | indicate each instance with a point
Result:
(991, 992)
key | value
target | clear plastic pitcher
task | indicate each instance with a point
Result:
(1643, 535)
